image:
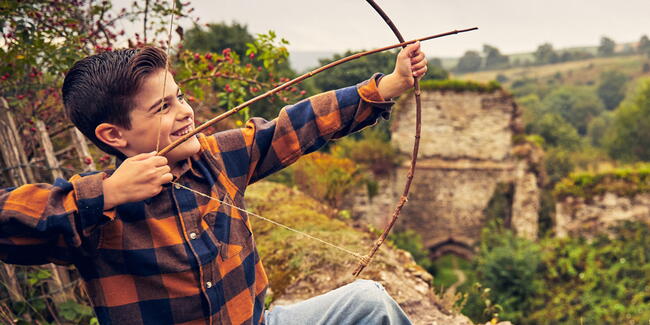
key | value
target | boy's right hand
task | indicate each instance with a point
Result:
(138, 178)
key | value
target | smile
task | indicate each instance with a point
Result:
(183, 131)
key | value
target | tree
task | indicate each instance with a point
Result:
(436, 71)
(611, 89)
(545, 54)
(629, 137)
(556, 131)
(469, 62)
(606, 47)
(493, 58)
(576, 105)
(218, 36)
(644, 45)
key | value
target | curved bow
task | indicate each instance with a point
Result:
(414, 156)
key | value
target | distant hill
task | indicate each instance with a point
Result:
(574, 72)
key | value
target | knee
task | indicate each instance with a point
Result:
(370, 295)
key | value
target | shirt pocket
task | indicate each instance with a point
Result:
(230, 228)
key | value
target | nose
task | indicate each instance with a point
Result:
(184, 112)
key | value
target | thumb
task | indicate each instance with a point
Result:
(412, 49)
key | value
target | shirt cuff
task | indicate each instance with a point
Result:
(89, 193)
(369, 93)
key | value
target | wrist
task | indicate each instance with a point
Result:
(111, 195)
(391, 86)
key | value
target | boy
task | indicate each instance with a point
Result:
(150, 253)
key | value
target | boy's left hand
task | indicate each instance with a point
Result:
(411, 63)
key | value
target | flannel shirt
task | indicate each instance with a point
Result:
(178, 257)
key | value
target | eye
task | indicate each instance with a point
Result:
(163, 108)
(181, 97)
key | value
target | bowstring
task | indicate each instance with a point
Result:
(343, 249)
(162, 101)
(161, 112)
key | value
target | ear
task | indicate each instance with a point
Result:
(111, 134)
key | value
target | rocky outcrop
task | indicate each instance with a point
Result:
(577, 216)
(466, 150)
(318, 268)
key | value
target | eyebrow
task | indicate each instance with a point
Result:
(160, 101)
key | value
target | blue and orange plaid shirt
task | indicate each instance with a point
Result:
(178, 257)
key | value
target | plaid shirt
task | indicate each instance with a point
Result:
(178, 258)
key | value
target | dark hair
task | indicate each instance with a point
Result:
(101, 88)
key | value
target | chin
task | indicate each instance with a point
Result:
(184, 151)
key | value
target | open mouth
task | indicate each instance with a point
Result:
(183, 131)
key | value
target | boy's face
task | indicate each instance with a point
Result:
(153, 121)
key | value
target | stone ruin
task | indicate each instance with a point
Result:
(466, 153)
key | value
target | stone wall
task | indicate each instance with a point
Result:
(465, 151)
(581, 217)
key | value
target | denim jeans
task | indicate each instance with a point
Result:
(360, 302)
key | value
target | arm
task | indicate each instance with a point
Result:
(263, 147)
(42, 223)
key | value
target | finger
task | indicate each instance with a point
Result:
(420, 72)
(163, 170)
(418, 58)
(166, 178)
(158, 161)
(418, 65)
(412, 49)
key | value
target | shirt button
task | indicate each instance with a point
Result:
(208, 284)
(192, 235)
(177, 186)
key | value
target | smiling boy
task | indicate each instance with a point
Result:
(150, 253)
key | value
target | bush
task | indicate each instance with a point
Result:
(326, 177)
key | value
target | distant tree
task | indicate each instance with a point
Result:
(644, 45)
(606, 47)
(218, 36)
(576, 105)
(545, 54)
(556, 131)
(611, 88)
(597, 128)
(354, 71)
(469, 62)
(493, 58)
(629, 136)
(435, 62)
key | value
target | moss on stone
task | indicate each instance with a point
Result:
(460, 85)
(622, 181)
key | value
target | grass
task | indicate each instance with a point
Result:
(573, 72)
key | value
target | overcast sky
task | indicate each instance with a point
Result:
(511, 25)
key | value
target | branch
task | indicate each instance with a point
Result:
(292, 82)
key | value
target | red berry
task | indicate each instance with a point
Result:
(208, 56)
(88, 160)
(252, 56)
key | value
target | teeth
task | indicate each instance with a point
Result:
(183, 131)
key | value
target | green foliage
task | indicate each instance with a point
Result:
(644, 45)
(411, 242)
(545, 54)
(628, 138)
(470, 61)
(597, 128)
(508, 265)
(494, 59)
(604, 281)
(576, 105)
(611, 88)
(555, 131)
(461, 85)
(622, 181)
(606, 47)
(326, 177)
(218, 36)
(372, 151)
